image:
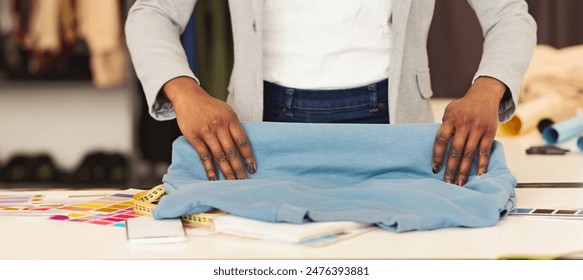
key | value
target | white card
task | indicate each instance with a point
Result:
(147, 230)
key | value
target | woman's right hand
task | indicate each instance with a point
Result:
(212, 128)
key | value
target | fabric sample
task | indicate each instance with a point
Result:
(369, 173)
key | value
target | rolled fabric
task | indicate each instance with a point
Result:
(529, 114)
(559, 132)
(544, 123)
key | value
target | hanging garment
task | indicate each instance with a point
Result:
(7, 25)
(214, 46)
(100, 26)
(370, 173)
(43, 33)
(48, 35)
(42, 38)
(7, 18)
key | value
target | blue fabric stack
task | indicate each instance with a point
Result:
(371, 173)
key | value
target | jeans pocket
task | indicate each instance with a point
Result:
(284, 115)
(276, 113)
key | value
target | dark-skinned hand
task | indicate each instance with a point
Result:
(212, 128)
(470, 123)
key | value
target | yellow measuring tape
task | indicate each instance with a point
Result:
(145, 202)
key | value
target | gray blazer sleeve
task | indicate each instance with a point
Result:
(509, 42)
(153, 29)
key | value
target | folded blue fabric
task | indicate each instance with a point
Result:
(371, 173)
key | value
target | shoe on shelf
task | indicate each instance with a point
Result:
(44, 169)
(18, 169)
(102, 168)
(31, 169)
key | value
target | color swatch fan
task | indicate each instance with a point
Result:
(111, 209)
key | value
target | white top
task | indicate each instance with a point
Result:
(326, 44)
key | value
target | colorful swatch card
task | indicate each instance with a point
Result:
(28, 210)
(110, 210)
(549, 213)
(26, 205)
(15, 199)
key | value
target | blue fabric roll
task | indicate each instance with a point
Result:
(565, 130)
(371, 173)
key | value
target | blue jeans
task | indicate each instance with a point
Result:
(367, 104)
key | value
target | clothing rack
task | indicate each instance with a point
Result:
(67, 121)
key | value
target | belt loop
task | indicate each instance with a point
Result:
(289, 97)
(374, 98)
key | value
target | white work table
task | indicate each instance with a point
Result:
(40, 238)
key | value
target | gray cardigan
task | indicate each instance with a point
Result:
(153, 28)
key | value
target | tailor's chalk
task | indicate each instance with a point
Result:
(546, 150)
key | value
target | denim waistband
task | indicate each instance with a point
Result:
(328, 99)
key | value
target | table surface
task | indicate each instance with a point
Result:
(40, 238)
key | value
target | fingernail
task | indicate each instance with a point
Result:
(460, 182)
(252, 168)
(212, 178)
(435, 168)
(448, 181)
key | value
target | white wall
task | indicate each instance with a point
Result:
(66, 120)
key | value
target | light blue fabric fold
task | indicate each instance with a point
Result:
(371, 173)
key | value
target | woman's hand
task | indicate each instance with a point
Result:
(471, 123)
(212, 128)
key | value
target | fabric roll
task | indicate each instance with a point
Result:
(551, 89)
(555, 71)
(565, 130)
(369, 173)
(530, 113)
